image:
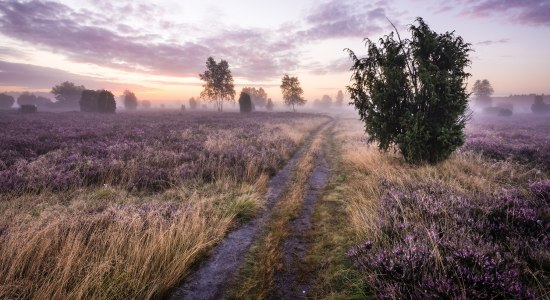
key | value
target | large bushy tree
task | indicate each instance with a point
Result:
(130, 100)
(218, 86)
(6, 101)
(67, 94)
(412, 94)
(292, 92)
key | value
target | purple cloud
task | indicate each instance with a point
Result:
(343, 19)
(528, 12)
(82, 37)
(31, 77)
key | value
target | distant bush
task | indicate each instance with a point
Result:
(539, 107)
(97, 101)
(28, 108)
(498, 111)
(183, 107)
(269, 105)
(145, 104)
(27, 98)
(245, 103)
(193, 104)
(130, 100)
(6, 101)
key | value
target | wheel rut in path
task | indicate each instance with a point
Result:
(292, 282)
(208, 281)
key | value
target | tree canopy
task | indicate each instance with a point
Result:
(67, 94)
(292, 92)
(412, 93)
(483, 90)
(218, 86)
(258, 96)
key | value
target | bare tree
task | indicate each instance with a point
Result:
(218, 85)
(292, 92)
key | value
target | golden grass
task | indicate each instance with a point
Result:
(256, 279)
(116, 251)
(106, 243)
(366, 167)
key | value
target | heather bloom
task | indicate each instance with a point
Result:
(139, 152)
(440, 244)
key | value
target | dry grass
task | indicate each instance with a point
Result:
(256, 279)
(114, 251)
(107, 243)
(464, 172)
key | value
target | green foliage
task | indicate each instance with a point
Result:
(292, 92)
(218, 85)
(245, 102)
(412, 93)
(130, 100)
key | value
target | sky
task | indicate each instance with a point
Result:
(158, 48)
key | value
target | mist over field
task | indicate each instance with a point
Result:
(282, 150)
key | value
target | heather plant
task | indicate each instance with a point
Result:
(412, 93)
(523, 140)
(436, 243)
(143, 152)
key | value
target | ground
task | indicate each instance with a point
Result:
(282, 206)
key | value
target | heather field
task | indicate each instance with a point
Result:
(523, 139)
(476, 226)
(121, 206)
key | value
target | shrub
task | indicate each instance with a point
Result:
(97, 101)
(412, 93)
(28, 108)
(269, 105)
(130, 100)
(193, 103)
(245, 103)
(6, 101)
(539, 107)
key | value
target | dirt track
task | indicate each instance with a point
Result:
(211, 276)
